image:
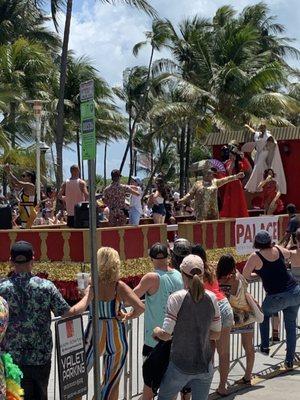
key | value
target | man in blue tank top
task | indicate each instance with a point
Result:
(156, 287)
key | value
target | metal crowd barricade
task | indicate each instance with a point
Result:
(132, 380)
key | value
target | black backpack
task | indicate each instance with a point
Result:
(5, 216)
(156, 364)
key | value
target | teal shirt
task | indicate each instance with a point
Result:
(156, 304)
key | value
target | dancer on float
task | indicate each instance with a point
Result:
(246, 164)
(267, 156)
(157, 201)
(272, 203)
(234, 205)
(205, 194)
(27, 195)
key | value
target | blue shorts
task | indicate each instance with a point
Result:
(226, 313)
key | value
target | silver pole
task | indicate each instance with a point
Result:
(94, 270)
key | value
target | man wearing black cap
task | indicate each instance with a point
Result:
(156, 287)
(114, 198)
(28, 337)
(182, 248)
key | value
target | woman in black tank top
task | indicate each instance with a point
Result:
(282, 291)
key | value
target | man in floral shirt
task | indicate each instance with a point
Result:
(28, 337)
(114, 198)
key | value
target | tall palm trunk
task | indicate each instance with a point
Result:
(4, 184)
(129, 145)
(105, 163)
(12, 123)
(187, 156)
(158, 164)
(181, 161)
(135, 162)
(53, 162)
(128, 142)
(62, 84)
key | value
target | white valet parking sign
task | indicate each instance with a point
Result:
(72, 372)
(247, 228)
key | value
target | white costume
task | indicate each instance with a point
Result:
(267, 156)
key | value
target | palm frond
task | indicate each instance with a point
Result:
(137, 47)
(266, 102)
(142, 5)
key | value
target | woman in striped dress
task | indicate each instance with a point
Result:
(113, 341)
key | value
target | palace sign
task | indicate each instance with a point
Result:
(246, 229)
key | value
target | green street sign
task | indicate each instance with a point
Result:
(87, 112)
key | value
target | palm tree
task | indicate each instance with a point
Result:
(55, 6)
(21, 18)
(229, 71)
(157, 38)
(24, 70)
(223, 69)
(135, 82)
(110, 124)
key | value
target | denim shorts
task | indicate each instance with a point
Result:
(159, 209)
(226, 313)
(134, 216)
(174, 380)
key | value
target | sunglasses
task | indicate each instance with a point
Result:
(24, 176)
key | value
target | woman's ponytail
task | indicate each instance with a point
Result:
(197, 288)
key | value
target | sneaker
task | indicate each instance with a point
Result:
(264, 351)
(289, 365)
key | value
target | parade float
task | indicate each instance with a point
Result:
(62, 253)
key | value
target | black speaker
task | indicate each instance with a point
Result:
(81, 215)
(5, 216)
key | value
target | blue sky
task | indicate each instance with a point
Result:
(106, 34)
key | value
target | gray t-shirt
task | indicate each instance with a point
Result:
(191, 324)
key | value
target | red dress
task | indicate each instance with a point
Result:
(269, 192)
(234, 204)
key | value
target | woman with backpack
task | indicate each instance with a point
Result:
(192, 320)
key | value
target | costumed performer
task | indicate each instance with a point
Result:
(271, 193)
(205, 194)
(27, 195)
(10, 374)
(267, 156)
(234, 204)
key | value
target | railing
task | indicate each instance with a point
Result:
(132, 381)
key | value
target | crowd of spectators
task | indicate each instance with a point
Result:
(188, 304)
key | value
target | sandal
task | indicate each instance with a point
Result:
(243, 381)
(222, 394)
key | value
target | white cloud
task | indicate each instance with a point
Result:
(107, 33)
